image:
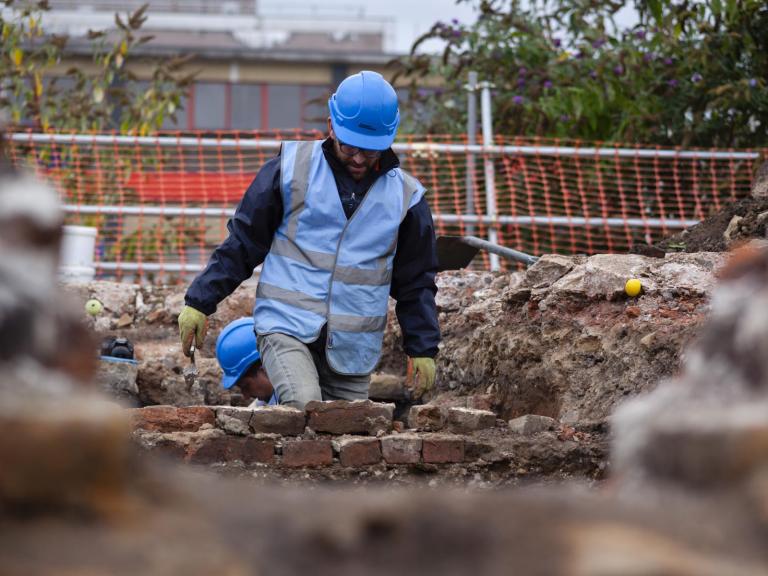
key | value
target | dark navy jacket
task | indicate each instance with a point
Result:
(259, 214)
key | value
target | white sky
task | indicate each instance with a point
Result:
(411, 17)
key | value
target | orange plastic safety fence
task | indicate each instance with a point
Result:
(161, 204)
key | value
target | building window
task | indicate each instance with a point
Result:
(210, 102)
(285, 106)
(246, 106)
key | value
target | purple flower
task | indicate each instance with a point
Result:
(564, 118)
(648, 56)
(455, 21)
(640, 34)
(593, 75)
(557, 42)
(696, 78)
(457, 33)
(521, 82)
(618, 70)
(753, 82)
(518, 100)
(673, 82)
(599, 43)
(579, 55)
(548, 84)
(423, 93)
(669, 61)
(522, 71)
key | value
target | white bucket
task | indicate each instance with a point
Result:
(77, 247)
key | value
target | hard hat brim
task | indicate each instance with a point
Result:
(368, 142)
(228, 381)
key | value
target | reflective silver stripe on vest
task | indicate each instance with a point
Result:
(288, 249)
(299, 184)
(323, 261)
(410, 185)
(292, 298)
(345, 323)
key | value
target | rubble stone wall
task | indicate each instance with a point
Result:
(360, 434)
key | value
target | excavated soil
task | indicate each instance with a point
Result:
(710, 234)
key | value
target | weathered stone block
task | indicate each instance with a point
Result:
(358, 451)
(118, 379)
(426, 417)
(155, 418)
(307, 453)
(191, 418)
(387, 387)
(401, 448)
(282, 420)
(234, 420)
(442, 448)
(356, 417)
(466, 420)
(171, 445)
(531, 424)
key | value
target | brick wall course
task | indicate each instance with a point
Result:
(401, 448)
(282, 420)
(442, 448)
(427, 417)
(356, 417)
(307, 453)
(358, 451)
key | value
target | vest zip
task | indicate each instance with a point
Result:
(329, 339)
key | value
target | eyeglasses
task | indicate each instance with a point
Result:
(348, 150)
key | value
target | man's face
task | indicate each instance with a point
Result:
(359, 163)
(255, 384)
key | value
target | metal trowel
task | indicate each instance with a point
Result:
(190, 371)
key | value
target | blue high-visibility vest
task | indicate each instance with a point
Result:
(324, 268)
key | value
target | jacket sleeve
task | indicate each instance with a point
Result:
(251, 229)
(413, 282)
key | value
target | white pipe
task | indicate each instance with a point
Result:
(468, 218)
(490, 175)
(493, 150)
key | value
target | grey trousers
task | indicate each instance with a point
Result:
(300, 373)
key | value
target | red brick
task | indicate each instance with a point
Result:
(354, 452)
(465, 420)
(356, 417)
(307, 453)
(442, 448)
(282, 420)
(426, 417)
(212, 447)
(401, 448)
(256, 449)
(155, 418)
(191, 418)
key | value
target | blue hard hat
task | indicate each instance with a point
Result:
(236, 350)
(364, 111)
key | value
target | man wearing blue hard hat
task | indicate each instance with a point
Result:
(339, 227)
(240, 361)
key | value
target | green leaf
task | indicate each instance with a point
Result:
(655, 7)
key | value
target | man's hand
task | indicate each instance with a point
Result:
(193, 325)
(421, 371)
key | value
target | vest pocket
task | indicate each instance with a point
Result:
(353, 353)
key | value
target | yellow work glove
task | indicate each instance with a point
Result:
(421, 371)
(193, 325)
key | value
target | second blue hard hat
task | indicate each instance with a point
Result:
(364, 111)
(236, 350)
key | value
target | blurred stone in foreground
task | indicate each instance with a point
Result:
(73, 500)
